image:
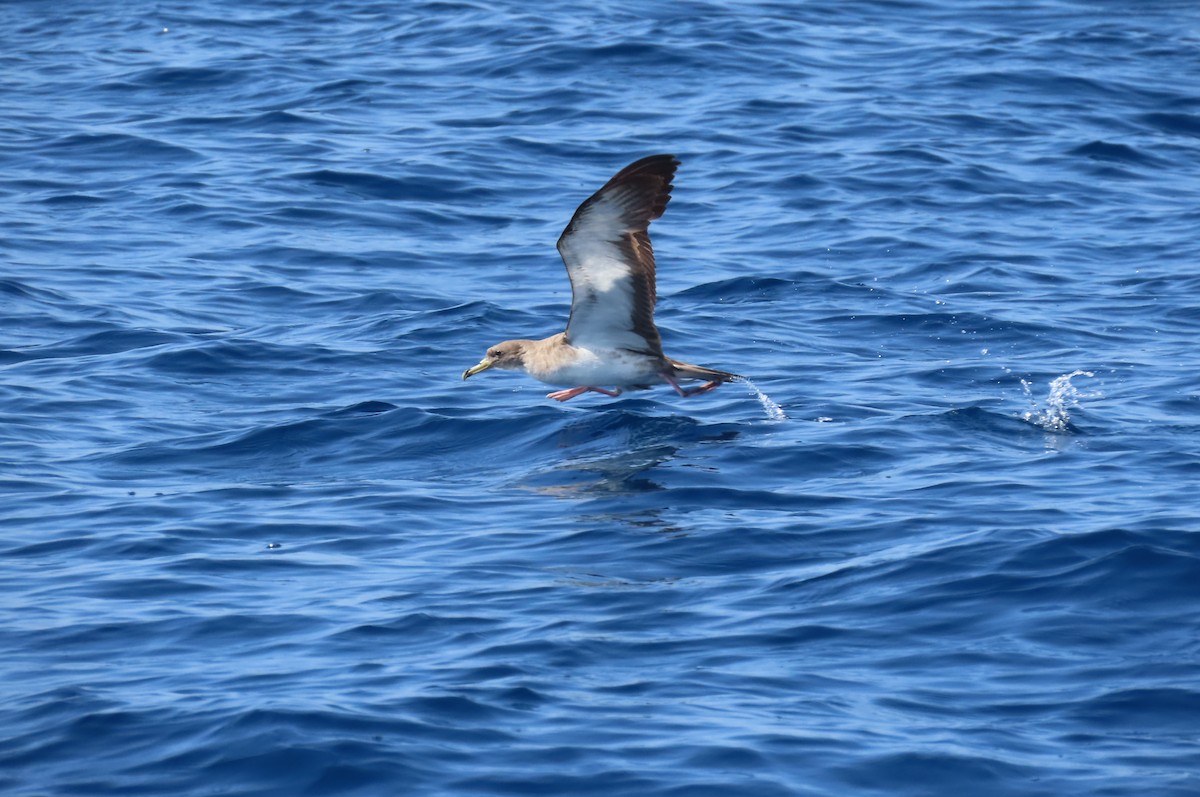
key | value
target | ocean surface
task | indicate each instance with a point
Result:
(258, 537)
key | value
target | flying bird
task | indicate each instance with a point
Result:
(610, 339)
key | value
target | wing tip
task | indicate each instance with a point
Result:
(662, 165)
(642, 190)
(651, 178)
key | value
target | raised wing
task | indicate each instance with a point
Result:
(607, 251)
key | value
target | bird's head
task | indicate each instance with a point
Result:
(507, 356)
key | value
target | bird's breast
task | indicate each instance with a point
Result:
(576, 367)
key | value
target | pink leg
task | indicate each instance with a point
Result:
(695, 391)
(567, 395)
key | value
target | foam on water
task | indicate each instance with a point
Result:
(1054, 415)
(773, 410)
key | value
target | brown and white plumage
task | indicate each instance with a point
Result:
(610, 337)
(606, 248)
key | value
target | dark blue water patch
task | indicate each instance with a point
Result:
(186, 79)
(282, 258)
(891, 773)
(226, 357)
(371, 303)
(916, 154)
(951, 325)
(111, 148)
(1136, 710)
(23, 289)
(1004, 126)
(739, 289)
(272, 443)
(1119, 153)
(273, 121)
(107, 342)
(1051, 83)
(1028, 584)
(430, 189)
(1175, 123)
(140, 589)
(76, 200)
(613, 59)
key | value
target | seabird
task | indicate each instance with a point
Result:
(610, 337)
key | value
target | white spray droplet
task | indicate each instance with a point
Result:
(773, 410)
(1063, 397)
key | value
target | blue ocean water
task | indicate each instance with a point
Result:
(259, 538)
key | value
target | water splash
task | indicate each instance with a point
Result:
(773, 410)
(1054, 416)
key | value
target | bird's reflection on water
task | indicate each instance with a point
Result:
(614, 452)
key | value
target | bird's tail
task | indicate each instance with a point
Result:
(688, 371)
